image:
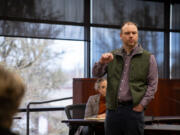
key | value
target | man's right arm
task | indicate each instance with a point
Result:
(99, 69)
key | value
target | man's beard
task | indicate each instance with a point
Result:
(131, 44)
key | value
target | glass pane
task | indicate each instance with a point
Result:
(176, 16)
(19, 123)
(105, 40)
(58, 10)
(115, 12)
(47, 66)
(154, 42)
(2, 7)
(42, 123)
(39, 30)
(175, 56)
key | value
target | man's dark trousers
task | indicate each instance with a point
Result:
(124, 121)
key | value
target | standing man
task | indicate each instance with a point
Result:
(132, 77)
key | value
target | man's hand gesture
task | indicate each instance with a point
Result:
(106, 58)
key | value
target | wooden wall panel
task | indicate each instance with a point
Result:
(167, 99)
(165, 103)
(82, 89)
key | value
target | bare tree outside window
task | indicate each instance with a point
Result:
(48, 69)
(41, 62)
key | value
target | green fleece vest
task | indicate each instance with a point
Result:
(139, 68)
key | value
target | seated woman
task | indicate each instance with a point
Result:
(95, 107)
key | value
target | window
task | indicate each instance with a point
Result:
(41, 30)
(175, 17)
(106, 40)
(175, 55)
(47, 66)
(116, 12)
(56, 10)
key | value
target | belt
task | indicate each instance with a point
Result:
(125, 103)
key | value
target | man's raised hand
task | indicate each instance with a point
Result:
(106, 58)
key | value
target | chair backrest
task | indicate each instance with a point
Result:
(75, 111)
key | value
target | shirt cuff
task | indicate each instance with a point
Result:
(144, 103)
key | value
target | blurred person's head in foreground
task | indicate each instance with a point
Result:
(12, 89)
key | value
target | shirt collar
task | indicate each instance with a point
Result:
(137, 50)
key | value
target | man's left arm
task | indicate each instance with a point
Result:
(152, 80)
